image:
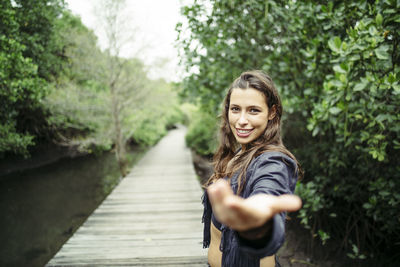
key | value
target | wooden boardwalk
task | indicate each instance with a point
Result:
(152, 218)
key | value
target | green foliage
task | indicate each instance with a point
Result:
(357, 111)
(316, 203)
(84, 57)
(21, 90)
(355, 253)
(336, 65)
(202, 129)
(160, 112)
(10, 140)
(81, 101)
(30, 54)
(37, 21)
(78, 100)
(55, 85)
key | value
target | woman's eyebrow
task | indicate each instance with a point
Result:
(251, 106)
(254, 106)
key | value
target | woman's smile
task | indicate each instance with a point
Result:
(243, 133)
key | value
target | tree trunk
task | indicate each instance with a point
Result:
(120, 151)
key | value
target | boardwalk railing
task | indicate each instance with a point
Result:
(152, 218)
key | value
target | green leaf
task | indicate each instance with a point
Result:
(372, 31)
(355, 249)
(360, 86)
(315, 131)
(354, 57)
(335, 110)
(343, 78)
(391, 78)
(396, 88)
(384, 193)
(381, 52)
(339, 69)
(344, 46)
(380, 118)
(379, 19)
(351, 256)
(334, 44)
(367, 206)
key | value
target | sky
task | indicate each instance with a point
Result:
(154, 24)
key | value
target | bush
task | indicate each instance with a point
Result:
(336, 64)
(201, 135)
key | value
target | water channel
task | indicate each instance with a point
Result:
(42, 208)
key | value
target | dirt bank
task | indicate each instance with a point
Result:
(40, 155)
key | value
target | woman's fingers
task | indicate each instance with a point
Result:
(218, 191)
(221, 195)
(268, 203)
(286, 203)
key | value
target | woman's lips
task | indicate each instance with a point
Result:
(243, 132)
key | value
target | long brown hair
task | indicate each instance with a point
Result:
(270, 140)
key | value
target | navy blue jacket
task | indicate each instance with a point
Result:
(271, 173)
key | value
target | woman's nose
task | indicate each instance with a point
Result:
(243, 119)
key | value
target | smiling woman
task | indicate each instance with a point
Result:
(254, 178)
(248, 114)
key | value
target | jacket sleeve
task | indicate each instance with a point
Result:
(271, 173)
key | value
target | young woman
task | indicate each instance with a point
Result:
(254, 178)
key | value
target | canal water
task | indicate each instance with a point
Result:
(41, 208)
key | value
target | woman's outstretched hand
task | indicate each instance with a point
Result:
(243, 214)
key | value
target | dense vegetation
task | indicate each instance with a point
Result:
(56, 86)
(336, 64)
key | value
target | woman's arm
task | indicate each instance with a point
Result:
(258, 221)
(244, 214)
(271, 179)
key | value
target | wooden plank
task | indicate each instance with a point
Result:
(152, 218)
(166, 262)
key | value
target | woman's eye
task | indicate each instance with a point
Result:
(234, 109)
(253, 110)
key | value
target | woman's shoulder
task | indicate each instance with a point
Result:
(273, 157)
(273, 168)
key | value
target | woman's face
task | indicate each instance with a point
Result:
(248, 114)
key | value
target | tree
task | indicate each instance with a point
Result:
(21, 89)
(58, 86)
(31, 56)
(81, 101)
(337, 68)
(121, 75)
(78, 99)
(37, 31)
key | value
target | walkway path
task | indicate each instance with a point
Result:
(152, 218)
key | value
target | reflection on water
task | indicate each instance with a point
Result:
(41, 208)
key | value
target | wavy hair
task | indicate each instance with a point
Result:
(270, 140)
